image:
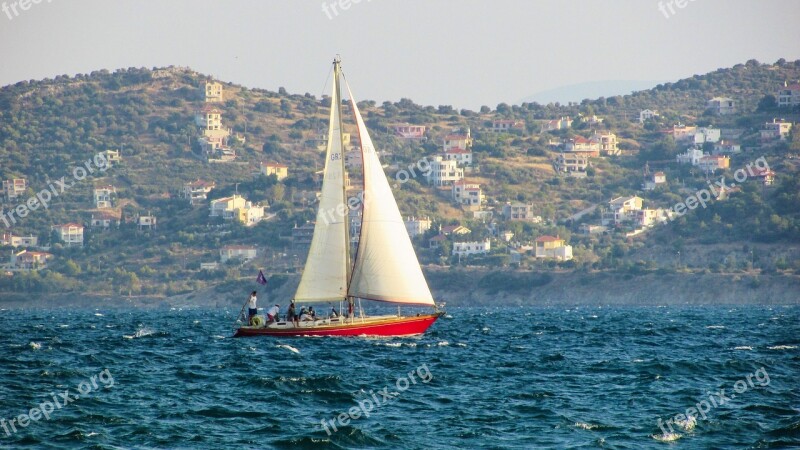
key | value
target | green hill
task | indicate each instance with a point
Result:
(49, 127)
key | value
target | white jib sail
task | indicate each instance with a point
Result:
(386, 267)
(325, 273)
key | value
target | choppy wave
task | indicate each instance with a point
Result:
(538, 378)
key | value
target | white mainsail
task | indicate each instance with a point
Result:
(386, 267)
(326, 270)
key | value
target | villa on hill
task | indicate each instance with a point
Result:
(552, 247)
(197, 191)
(721, 105)
(556, 124)
(69, 233)
(408, 131)
(506, 126)
(272, 168)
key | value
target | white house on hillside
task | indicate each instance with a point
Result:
(647, 114)
(471, 248)
(721, 105)
(444, 172)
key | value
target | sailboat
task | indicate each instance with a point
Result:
(382, 268)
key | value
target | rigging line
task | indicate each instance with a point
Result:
(325, 85)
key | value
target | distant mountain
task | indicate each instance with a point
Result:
(590, 89)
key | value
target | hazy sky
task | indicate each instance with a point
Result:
(463, 53)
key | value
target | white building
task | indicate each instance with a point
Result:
(213, 92)
(18, 241)
(607, 143)
(461, 156)
(103, 196)
(240, 252)
(572, 163)
(552, 247)
(505, 126)
(471, 248)
(149, 221)
(775, 130)
(14, 187)
(520, 211)
(692, 156)
(654, 180)
(556, 124)
(466, 193)
(705, 134)
(444, 172)
(197, 191)
(69, 233)
(417, 226)
(622, 209)
(721, 105)
(789, 95)
(462, 141)
(726, 147)
(647, 114)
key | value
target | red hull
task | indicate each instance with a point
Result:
(405, 326)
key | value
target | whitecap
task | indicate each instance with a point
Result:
(687, 424)
(782, 347)
(98, 314)
(289, 347)
(35, 345)
(443, 344)
(142, 332)
(217, 336)
(715, 327)
(460, 344)
(743, 347)
(637, 360)
(485, 329)
(393, 344)
(667, 437)
(585, 426)
(448, 316)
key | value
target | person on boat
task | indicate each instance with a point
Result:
(272, 313)
(304, 315)
(312, 313)
(334, 314)
(252, 310)
(291, 314)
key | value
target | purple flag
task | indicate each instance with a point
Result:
(261, 278)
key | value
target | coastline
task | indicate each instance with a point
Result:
(475, 288)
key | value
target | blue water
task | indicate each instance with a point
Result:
(501, 378)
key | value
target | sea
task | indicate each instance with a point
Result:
(659, 377)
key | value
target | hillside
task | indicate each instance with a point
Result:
(50, 127)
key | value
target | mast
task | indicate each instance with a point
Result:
(337, 69)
